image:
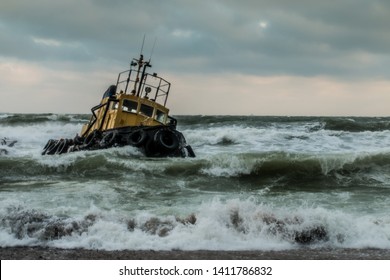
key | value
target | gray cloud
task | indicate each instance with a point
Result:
(282, 37)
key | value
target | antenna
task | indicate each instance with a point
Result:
(143, 42)
(154, 44)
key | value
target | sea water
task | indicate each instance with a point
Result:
(256, 183)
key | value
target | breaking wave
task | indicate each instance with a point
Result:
(357, 124)
(216, 225)
(286, 168)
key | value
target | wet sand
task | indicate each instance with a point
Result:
(41, 253)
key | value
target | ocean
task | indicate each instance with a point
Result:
(256, 183)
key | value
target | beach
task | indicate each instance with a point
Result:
(41, 253)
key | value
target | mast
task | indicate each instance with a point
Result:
(140, 62)
(145, 64)
(141, 69)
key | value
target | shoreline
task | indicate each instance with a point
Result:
(47, 253)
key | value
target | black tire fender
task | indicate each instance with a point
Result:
(91, 139)
(78, 140)
(137, 138)
(62, 147)
(167, 140)
(108, 139)
(52, 148)
(47, 146)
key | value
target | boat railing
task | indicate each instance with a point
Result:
(95, 118)
(149, 86)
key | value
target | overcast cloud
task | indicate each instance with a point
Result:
(278, 57)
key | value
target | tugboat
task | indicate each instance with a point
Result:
(132, 112)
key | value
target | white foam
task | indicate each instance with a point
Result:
(290, 138)
(223, 225)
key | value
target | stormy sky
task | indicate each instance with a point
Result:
(260, 57)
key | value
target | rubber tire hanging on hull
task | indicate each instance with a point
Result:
(137, 138)
(52, 148)
(91, 139)
(47, 146)
(108, 139)
(62, 146)
(167, 140)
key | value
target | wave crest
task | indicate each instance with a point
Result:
(258, 168)
(299, 168)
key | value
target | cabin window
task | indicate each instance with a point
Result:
(160, 116)
(129, 106)
(146, 110)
